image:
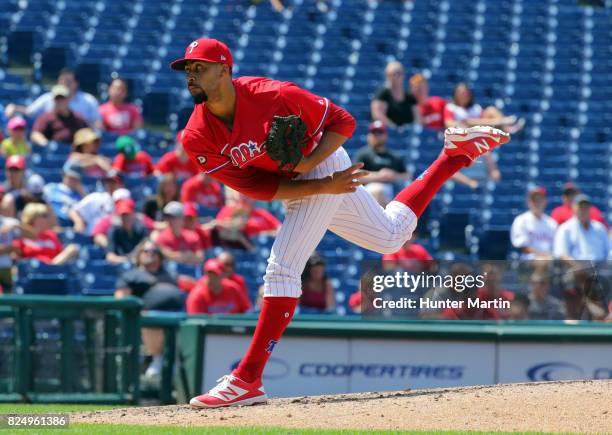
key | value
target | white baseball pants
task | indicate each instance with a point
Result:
(356, 217)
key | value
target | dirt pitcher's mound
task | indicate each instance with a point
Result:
(572, 406)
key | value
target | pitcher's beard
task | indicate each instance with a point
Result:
(200, 97)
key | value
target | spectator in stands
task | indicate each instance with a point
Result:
(228, 261)
(519, 308)
(430, 108)
(214, 294)
(241, 214)
(167, 191)
(86, 213)
(85, 155)
(361, 301)
(103, 225)
(543, 306)
(442, 293)
(493, 290)
(203, 191)
(177, 242)
(393, 105)
(117, 115)
(214, 233)
(583, 298)
(177, 162)
(14, 202)
(533, 232)
(317, 290)
(483, 169)
(158, 290)
(465, 293)
(9, 232)
(123, 238)
(411, 257)
(565, 211)
(64, 195)
(60, 123)
(582, 238)
(82, 103)
(41, 242)
(16, 144)
(14, 170)
(464, 112)
(131, 160)
(384, 166)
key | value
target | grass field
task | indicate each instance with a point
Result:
(94, 429)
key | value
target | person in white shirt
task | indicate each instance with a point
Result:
(462, 111)
(582, 238)
(86, 213)
(533, 232)
(84, 104)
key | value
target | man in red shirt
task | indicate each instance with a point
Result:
(131, 160)
(118, 116)
(431, 108)
(177, 242)
(202, 190)
(226, 135)
(177, 162)
(229, 265)
(247, 218)
(214, 294)
(565, 212)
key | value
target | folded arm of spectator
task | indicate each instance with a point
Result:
(464, 179)
(379, 113)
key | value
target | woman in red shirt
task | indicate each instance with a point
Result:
(41, 242)
(317, 290)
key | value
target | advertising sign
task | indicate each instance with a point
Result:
(307, 366)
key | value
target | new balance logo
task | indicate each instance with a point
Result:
(482, 145)
(228, 394)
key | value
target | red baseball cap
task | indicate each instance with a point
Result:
(18, 162)
(208, 50)
(215, 266)
(538, 190)
(125, 206)
(377, 126)
(190, 209)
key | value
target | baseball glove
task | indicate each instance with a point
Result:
(285, 141)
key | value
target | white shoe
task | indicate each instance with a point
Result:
(231, 391)
(473, 142)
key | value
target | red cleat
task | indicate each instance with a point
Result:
(473, 142)
(231, 391)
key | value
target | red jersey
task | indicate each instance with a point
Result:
(241, 283)
(237, 157)
(260, 220)
(206, 193)
(228, 301)
(120, 119)
(564, 213)
(188, 240)
(171, 162)
(141, 164)
(45, 248)
(432, 112)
